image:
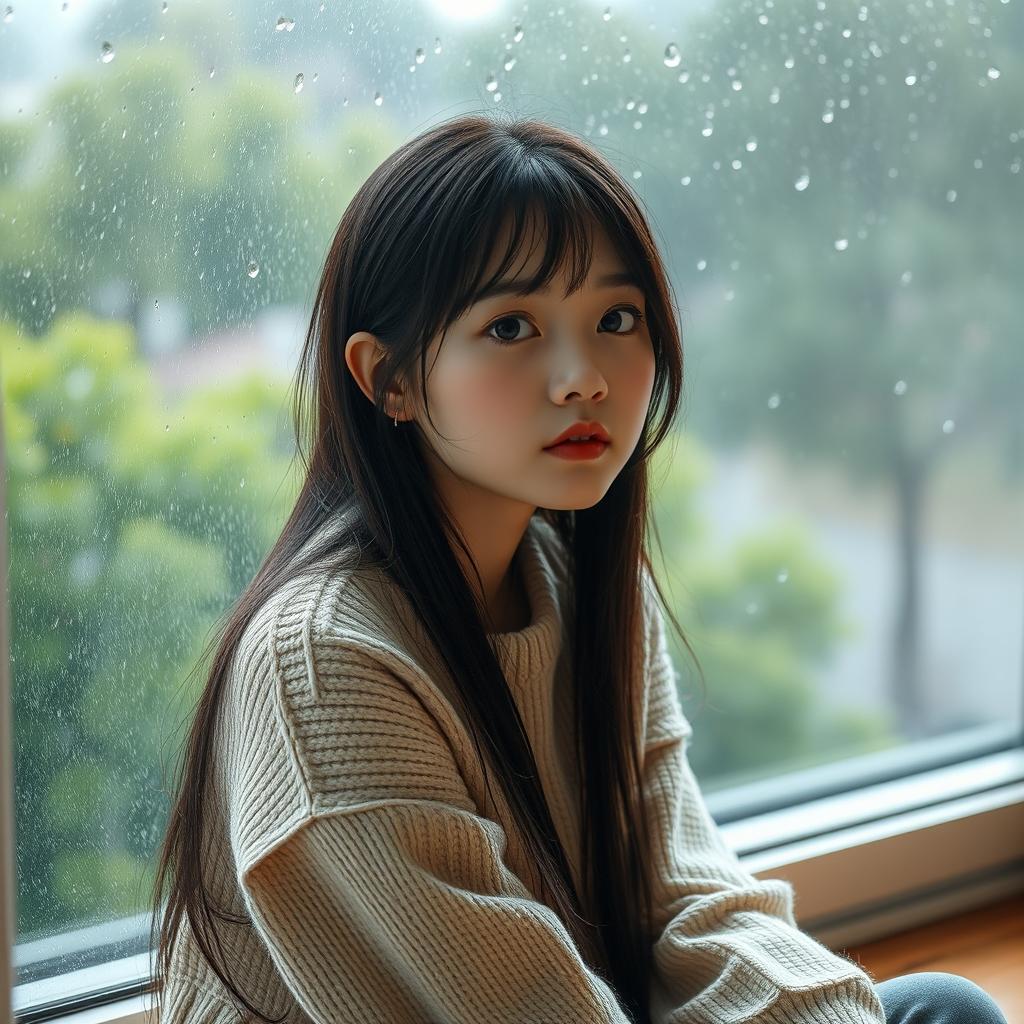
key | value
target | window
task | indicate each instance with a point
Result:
(836, 188)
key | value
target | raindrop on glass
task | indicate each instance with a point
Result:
(948, 427)
(378, 99)
(420, 55)
(607, 14)
(106, 53)
(517, 35)
(285, 24)
(774, 400)
(841, 244)
(299, 82)
(993, 73)
(8, 14)
(673, 58)
(900, 387)
(437, 44)
(253, 269)
(802, 182)
(751, 145)
(783, 575)
(951, 196)
(242, 482)
(492, 83)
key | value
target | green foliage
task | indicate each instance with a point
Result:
(763, 619)
(129, 533)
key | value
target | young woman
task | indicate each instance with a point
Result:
(438, 772)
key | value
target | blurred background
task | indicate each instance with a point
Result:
(837, 191)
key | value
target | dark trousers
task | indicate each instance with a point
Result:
(935, 997)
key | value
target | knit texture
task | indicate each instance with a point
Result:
(351, 829)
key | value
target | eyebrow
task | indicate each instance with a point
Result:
(622, 277)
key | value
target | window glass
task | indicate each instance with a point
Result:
(837, 191)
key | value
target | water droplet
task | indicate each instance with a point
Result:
(948, 427)
(509, 64)
(774, 400)
(673, 58)
(702, 264)
(627, 57)
(841, 244)
(685, 179)
(737, 85)
(900, 387)
(607, 15)
(491, 84)
(802, 182)
(253, 269)
(906, 277)
(517, 34)
(8, 14)
(993, 73)
(753, 607)
(788, 63)
(106, 53)
(163, 7)
(27, 272)
(378, 99)
(420, 55)
(751, 144)
(910, 79)
(242, 482)
(783, 575)
(285, 24)
(167, 427)
(213, 71)
(299, 82)
(437, 44)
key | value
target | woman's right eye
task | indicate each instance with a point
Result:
(508, 319)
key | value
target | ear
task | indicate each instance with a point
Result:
(363, 352)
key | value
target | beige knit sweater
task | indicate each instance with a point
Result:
(352, 831)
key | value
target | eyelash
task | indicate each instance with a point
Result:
(639, 317)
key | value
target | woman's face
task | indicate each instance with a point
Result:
(497, 403)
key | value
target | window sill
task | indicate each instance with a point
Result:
(879, 839)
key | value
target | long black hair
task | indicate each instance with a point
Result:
(405, 262)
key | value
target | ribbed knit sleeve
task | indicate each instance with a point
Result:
(380, 893)
(727, 947)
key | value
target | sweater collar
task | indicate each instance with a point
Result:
(540, 641)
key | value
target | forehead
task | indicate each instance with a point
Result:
(604, 258)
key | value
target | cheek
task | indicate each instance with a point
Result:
(635, 379)
(478, 392)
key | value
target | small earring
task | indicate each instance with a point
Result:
(396, 421)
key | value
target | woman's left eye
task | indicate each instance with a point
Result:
(637, 320)
(635, 313)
